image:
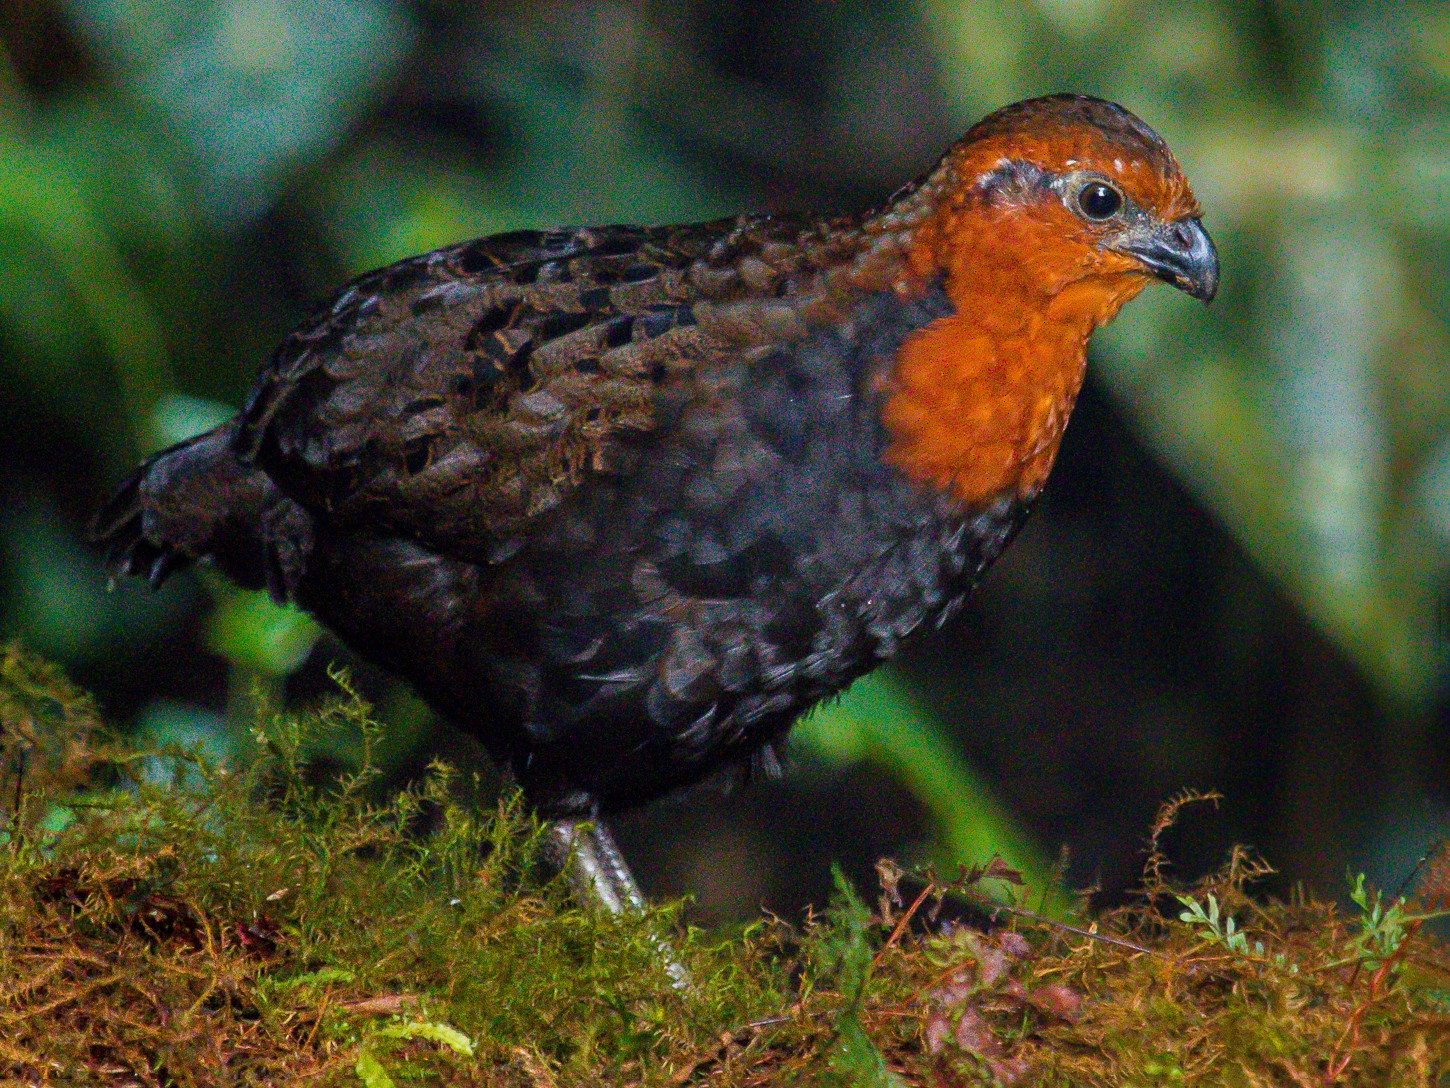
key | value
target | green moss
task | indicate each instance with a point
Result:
(247, 925)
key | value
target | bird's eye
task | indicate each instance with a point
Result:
(1099, 200)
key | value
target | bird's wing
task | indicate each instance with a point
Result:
(456, 396)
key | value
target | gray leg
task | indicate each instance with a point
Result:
(588, 855)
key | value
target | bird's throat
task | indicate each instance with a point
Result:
(977, 402)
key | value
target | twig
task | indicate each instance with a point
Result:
(903, 923)
(1078, 931)
(1338, 1062)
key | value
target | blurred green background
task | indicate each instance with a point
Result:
(1238, 579)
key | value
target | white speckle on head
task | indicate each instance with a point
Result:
(1070, 162)
(1118, 165)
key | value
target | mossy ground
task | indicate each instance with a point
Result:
(165, 921)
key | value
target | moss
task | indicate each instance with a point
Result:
(247, 925)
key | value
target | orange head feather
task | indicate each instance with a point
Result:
(1040, 223)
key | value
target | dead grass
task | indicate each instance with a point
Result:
(164, 921)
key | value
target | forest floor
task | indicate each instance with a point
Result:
(168, 921)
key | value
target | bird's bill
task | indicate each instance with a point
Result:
(1180, 253)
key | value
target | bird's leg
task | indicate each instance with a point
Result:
(585, 851)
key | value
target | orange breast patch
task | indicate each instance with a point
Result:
(977, 402)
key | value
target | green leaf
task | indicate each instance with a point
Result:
(370, 1071)
(851, 948)
(385, 202)
(854, 1060)
(445, 1034)
(179, 417)
(58, 599)
(60, 270)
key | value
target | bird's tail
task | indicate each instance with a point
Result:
(196, 500)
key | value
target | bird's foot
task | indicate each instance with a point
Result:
(585, 851)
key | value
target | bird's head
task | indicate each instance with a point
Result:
(1066, 194)
(1039, 224)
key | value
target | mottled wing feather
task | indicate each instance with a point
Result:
(454, 397)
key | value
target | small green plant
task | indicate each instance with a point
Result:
(1382, 928)
(848, 958)
(1223, 930)
(1218, 929)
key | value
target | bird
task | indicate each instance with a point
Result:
(626, 502)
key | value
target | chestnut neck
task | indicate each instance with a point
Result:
(976, 403)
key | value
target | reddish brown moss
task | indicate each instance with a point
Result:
(197, 935)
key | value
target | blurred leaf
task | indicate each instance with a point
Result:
(1427, 29)
(192, 728)
(134, 31)
(187, 726)
(250, 631)
(984, 48)
(1328, 306)
(1079, 18)
(1418, 169)
(1433, 490)
(1290, 444)
(582, 156)
(59, 600)
(1185, 59)
(38, 308)
(253, 87)
(179, 417)
(131, 171)
(384, 203)
(878, 721)
(60, 271)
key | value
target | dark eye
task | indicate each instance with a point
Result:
(1099, 201)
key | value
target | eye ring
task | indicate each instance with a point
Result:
(1099, 200)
